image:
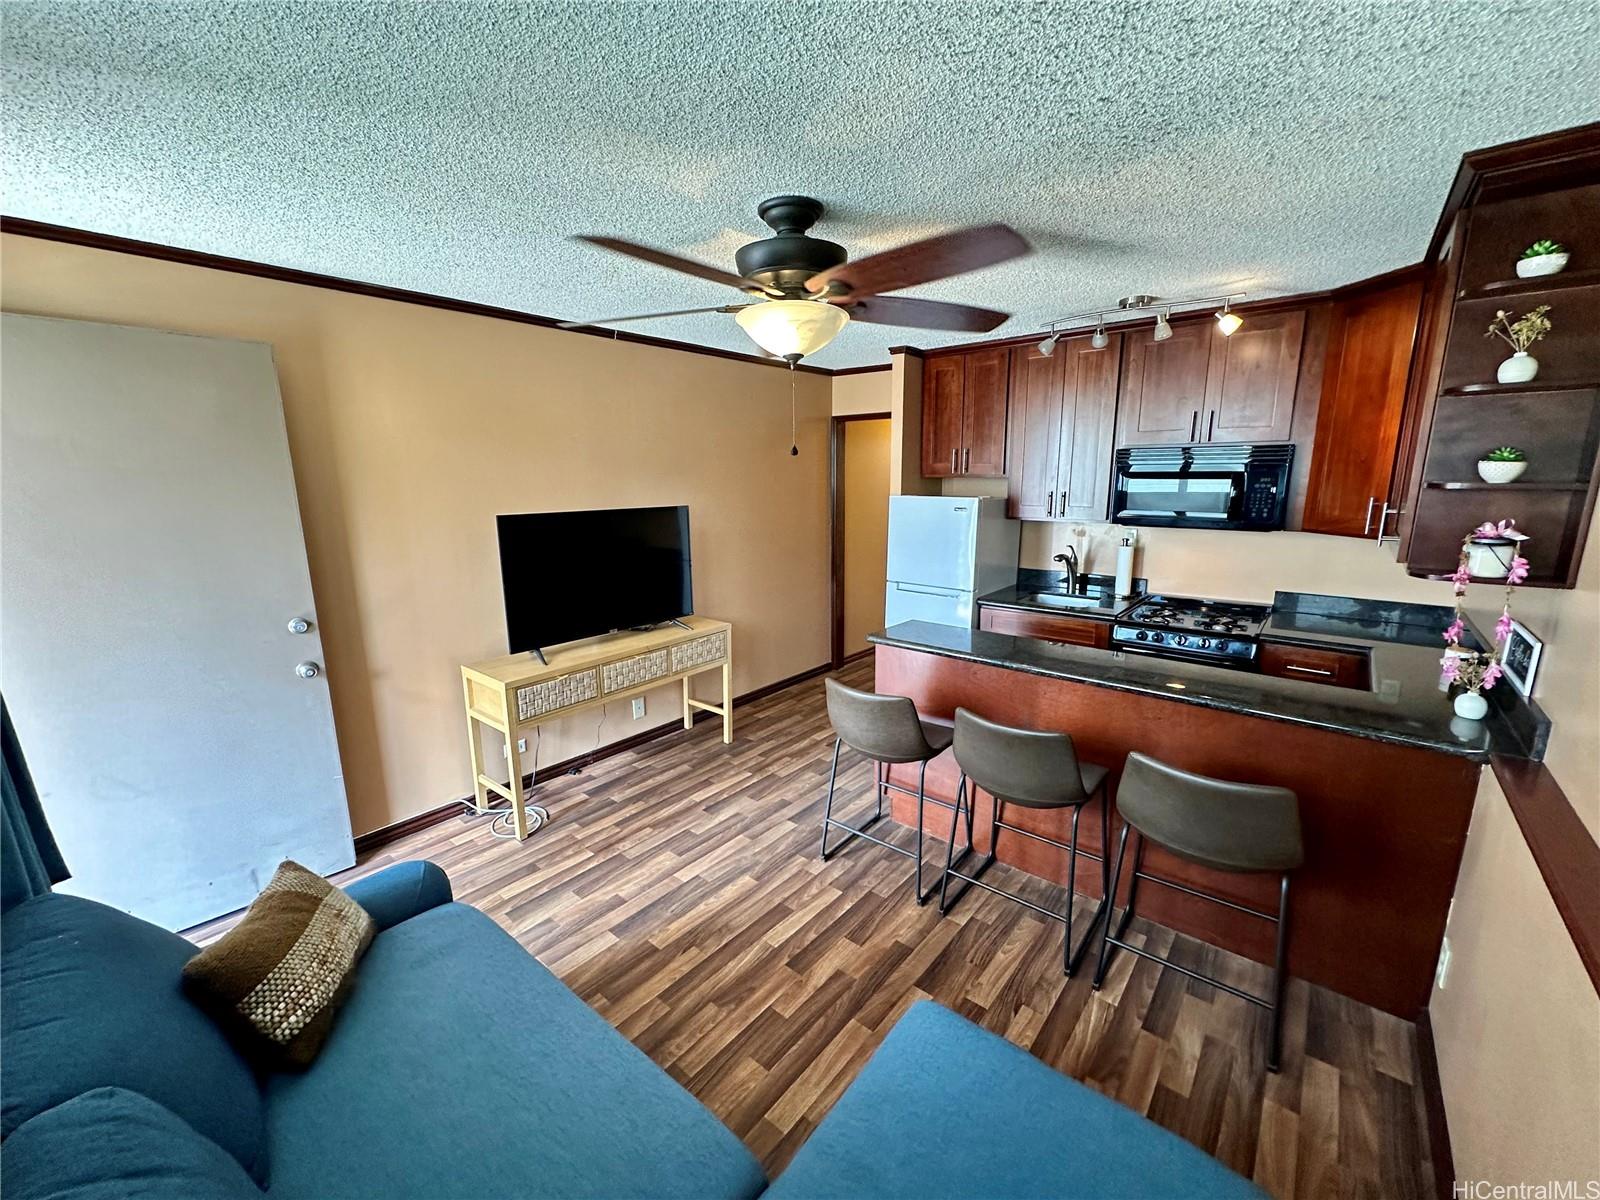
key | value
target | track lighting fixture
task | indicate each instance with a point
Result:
(1101, 339)
(1163, 328)
(1048, 346)
(1227, 321)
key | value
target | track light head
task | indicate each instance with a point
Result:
(1227, 321)
(1163, 327)
(1048, 346)
(1101, 338)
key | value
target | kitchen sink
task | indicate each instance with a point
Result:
(1068, 599)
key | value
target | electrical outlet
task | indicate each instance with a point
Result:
(638, 707)
(1443, 973)
(522, 745)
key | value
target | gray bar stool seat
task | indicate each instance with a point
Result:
(1030, 769)
(1237, 827)
(889, 731)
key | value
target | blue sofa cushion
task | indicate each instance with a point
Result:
(400, 892)
(90, 998)
(972, 1115)
(112, 1144)
(462, 1067)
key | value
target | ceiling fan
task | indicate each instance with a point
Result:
(805, 289)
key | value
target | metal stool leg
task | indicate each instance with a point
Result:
(1275, 1048)
(1106, 934)
(827, 809)
(916, 880)
(1072, 891)
(879, 770)
(950, 848)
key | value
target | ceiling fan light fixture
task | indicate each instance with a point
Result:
(1163, 328)
(1228, 322)
(792, 329)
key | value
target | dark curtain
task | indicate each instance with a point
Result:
(29, 860)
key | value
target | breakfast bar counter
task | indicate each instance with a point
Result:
(1385, 779)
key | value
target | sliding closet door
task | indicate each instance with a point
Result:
(178, 728)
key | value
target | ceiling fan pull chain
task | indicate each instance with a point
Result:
(794, 440)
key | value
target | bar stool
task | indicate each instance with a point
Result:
(1237, 827)
(1032, 770)
(887, 730)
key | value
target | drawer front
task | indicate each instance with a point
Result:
(539, 698)
(1073, 631)
(1337, 668)
(631, 672)
(709, 649)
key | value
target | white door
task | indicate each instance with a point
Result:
(931, 540)
(152, 564)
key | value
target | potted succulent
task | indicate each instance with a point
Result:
(1544, 257)
(1527, 329)
(1475, 671)
(1503, 464)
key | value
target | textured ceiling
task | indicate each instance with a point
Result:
(452, 148)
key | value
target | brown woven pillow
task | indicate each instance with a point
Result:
(276, 979)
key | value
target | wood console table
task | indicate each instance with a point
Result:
(518, 692)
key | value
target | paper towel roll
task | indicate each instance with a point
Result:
(1125, 568)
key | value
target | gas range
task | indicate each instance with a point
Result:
(1215, 631)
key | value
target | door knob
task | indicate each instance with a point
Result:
(299, 625)
(308, 670)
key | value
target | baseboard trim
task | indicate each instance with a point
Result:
(378, 838)
(1444, 1163)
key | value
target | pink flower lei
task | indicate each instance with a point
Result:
(1474, 669)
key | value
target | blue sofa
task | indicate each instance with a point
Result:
(460, 1067)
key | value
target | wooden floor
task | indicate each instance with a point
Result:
(679, 892)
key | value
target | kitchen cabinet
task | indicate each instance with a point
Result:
(964, 413)
(1199, 386)
(1061, 430)
(1316, 664)
(1251, 377)
(1072, 631)
(1359, 419)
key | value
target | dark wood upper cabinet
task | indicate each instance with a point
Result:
(1034, 440)
(1164, 387)
(1062, 427)
(943, 383)
(1359, 419)
(964, 413)
(1251, 378)
(983, 426)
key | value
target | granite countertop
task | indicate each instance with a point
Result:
(1405, 705)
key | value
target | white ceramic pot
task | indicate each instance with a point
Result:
(1521, 367)
(1472, 706)
(1491, 558)
(1493, 471)
(1543, 264)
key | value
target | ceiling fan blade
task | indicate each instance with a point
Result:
(911, 313)
(932, 258)
(676, 312)
(672, 261)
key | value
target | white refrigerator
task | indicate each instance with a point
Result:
(945, 552)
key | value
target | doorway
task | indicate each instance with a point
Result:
(859, 480)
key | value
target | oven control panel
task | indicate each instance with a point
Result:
(1179, 642)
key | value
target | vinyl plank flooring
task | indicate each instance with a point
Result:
(678, 891)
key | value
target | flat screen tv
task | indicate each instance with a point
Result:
(570, 575)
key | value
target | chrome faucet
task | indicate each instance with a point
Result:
(1070, 560)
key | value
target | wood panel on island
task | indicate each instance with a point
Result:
(964, 413)
(1472, 393)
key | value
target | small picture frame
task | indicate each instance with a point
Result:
(1520, 657)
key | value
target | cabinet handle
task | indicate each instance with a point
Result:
(966, 460)
(1050, 505)
(1383, 521)
(955, 459)
(1211, 424)
(1366, 526)
(1194, 419)
(1306, 670)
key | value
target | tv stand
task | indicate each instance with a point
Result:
(539, 654)
(680, 623)
(512, 694)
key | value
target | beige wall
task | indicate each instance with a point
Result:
(411, 427)
(866, 528)
(864, 393)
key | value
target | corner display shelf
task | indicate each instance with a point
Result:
(1547, 188)
(518, 692)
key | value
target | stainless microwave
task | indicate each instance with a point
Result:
(1203, 487)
